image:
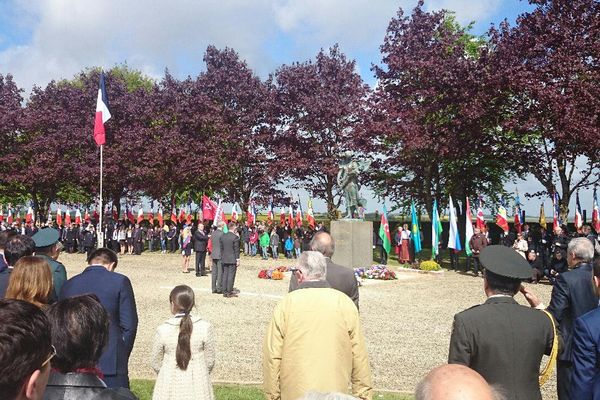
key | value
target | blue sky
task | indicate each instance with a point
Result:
(42, 40)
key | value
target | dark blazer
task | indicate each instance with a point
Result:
(81, 386)
(339, 278)
(59, 275)
(504, 342)
(216, 244)
(116, 295)
(572, 296)
(200, 240)
(585, 351)
(4, 277)
(230, 248)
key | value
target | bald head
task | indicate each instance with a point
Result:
(454, 382)
(323, 243)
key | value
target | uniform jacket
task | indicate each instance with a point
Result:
(200, 240)
(216, 244)
(338, 277)
(59, 274)
(504, 342)
(585, 351)
(230, 248)
(80, 386)
(314, 342)
(116, 295)
(573, 295)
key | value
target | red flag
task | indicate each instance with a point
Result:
(29, 215)
(130, 216)
(310, 217)
(291, 217)
(1, 214)
(189, 218)
(140, 217)
(161, 221)
(96, 216)
(250, 214)
(517, 220)
(298, 216)
(208, 208)
(86, 216)
(173, 216)
(102, 113)
(151, 217)
(68, 217)
(182, 215)
(282, 216)
(78, 217)
(59, 220)
(115, 214)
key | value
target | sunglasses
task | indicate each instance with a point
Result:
(50, 357)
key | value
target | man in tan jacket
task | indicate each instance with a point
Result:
(314, 341)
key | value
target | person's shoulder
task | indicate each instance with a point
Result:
(591, 319)
(115, 394)
(339, 269)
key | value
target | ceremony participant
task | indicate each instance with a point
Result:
(70, 238)
(116, 295)
(31, 281)
(25, 351)
(500, 334)
(129, 235)
(138, 239)
(477, 243)
(183, 352)
(338, 277)
(215, 255)
(253, 241)
(172, 238)
(16, 247)
(398, 242)
(520, 245)
(586, 350)
(5, 271)
(288, 246)
(274, 242)
(297, 245)
(230, 259)
(264, 243)
(200, 243)
(46, 247)
(454, 382)
(186, 248)
(245, 237)
(405, 246)
(537, 269)
(79, 328)
(122, 238)
(89, 240)
(572, 296)
(314, 341)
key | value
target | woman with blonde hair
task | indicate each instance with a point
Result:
(31, 281)
(186, 248)
(183, 353)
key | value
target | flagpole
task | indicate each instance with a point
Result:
(101, 230)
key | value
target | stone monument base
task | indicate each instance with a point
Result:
(353, 242)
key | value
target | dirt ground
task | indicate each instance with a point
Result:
(407, 322)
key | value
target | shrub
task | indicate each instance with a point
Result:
(429, 266)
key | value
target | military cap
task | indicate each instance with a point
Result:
(46, 237)
(504, 261)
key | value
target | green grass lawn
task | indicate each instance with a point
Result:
(143, 390)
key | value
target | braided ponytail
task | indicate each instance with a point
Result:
(182, 297)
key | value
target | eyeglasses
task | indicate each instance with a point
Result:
(50, 357)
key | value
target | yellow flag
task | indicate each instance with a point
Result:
(542, 217)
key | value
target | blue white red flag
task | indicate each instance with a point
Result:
(596, 214)
(102, 113)
(578, 214)
(556, 208)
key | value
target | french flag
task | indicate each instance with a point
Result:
(102, 113)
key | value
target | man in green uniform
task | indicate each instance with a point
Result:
(500, 339)
(48, 247)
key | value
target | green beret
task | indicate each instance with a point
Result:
(504, 261)
(46, 237)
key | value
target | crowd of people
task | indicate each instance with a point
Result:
(71, 338)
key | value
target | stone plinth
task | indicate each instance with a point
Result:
(353, 242)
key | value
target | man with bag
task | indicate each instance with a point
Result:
(501, 339)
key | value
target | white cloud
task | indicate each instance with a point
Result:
(69, 35)
(466, 11)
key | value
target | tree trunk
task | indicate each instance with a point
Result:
(331, 208)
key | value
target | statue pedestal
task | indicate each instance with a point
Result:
(353, 242)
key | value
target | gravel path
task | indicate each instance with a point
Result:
(407, 322)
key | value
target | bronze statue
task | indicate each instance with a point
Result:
(347, 179)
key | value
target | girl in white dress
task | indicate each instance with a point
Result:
(183, 353)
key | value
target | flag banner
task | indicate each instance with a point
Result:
(596, 214)
(384, 232)
(67, 217)
(151, 217)
(501, 217)
(468, 229)
(270, 212)
(310, 215)
(415, 231)
(102, 113)
(578, 213)
(436, 231)
(235, 212)
(182, 215)
(160, 217)
(1, 214)
(298, 215)
(556, 221)
(282, 216)
(480, 218)
(29, 216)
(208, 208)
(59, 219)
(453, 236)
(542, 220)
(291, 216)
(174, 215)
(518, 221)
(251, 214)
(140, 216)
(86, 216)
(78, 217)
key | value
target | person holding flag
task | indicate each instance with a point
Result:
(384, 235)
(453, 237)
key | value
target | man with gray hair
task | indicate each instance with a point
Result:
(314, 341)
(338, 277)
(572, 296)
(454, 382)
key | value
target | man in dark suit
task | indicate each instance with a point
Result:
(338, 277)
(116, 295)
(138, 239)
(5, 237)
(215, 255)
(585, 350)
(230, 259)
(572, 296)
(500, 339)
(200, 243)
